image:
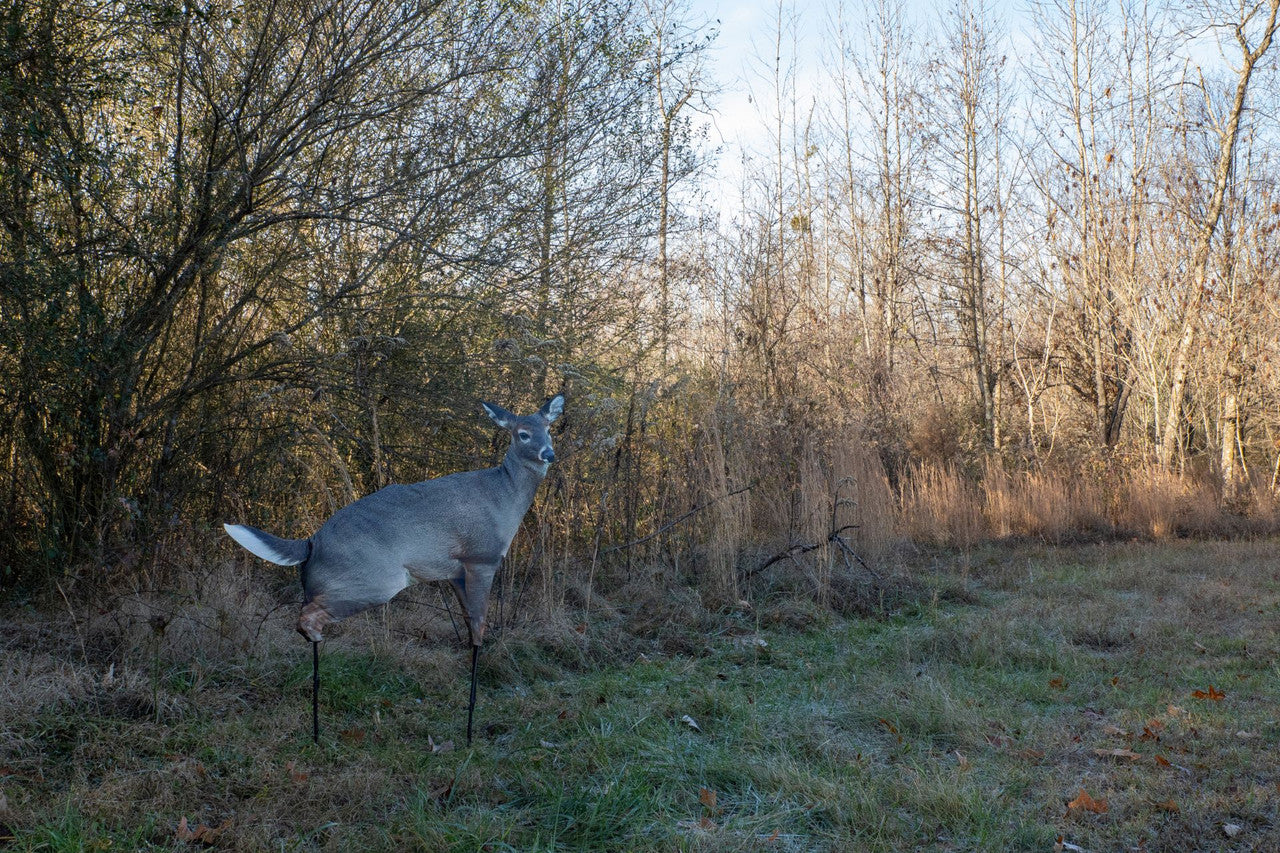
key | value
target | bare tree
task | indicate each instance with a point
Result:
(969, 96)
(881, 149)
(1226, 129)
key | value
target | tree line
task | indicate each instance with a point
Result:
(261, 259)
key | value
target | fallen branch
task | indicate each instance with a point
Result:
(835, 536)
(664, 528)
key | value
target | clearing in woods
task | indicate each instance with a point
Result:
(1108, 697)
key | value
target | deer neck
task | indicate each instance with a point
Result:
(525, 478)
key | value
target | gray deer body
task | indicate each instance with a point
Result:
(455, 528)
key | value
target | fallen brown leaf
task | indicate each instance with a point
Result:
(1084, 802)
(1117, 753)
(202, 834)
(708, 798)
(1212, 694)
(1167, 806)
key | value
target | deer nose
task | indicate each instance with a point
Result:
(547, 455)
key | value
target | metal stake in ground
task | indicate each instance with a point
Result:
(315, 691)
(471, 705)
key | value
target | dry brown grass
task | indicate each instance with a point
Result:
(867, 504)
(941, 506)
(1158, 504)
(729, 517)
(1048, 505)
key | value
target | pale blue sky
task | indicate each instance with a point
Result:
(747, 32)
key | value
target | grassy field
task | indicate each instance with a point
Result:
(1109, 697)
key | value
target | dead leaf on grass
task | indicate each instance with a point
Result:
(202, 834)
(691, 723)
(708, 798)
(1084, 802)
(1167, 806)
(890, 728)
(294, 773)
(1212, 694)
(1117, 753)
(1231, 830)
(1057, 683)
(1162, 761)
(444, 746)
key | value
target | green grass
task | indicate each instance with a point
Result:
(966, 720)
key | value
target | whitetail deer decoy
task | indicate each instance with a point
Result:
(455, 528)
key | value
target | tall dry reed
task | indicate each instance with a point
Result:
(729, 516)
(940, 506)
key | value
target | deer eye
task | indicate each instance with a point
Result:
(524, 436)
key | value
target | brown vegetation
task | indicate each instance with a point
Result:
(254, 283)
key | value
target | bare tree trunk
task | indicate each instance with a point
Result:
(1230, 430)
(1208, 227)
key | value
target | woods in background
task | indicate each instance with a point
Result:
(258, 260)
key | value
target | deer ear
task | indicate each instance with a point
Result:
(553, 408)
(499, 415)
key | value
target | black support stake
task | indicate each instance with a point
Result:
(315, 691)
(471, 706)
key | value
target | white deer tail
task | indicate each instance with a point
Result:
(273, 549)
